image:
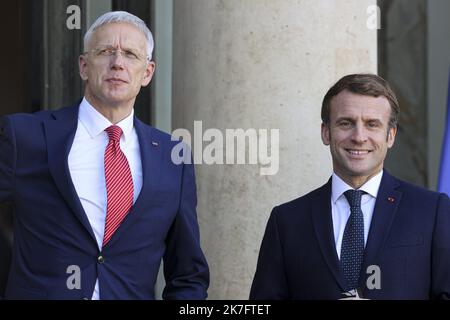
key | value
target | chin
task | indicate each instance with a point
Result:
(117, 98)
(358, 171)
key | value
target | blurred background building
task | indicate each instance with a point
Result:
(246, 64)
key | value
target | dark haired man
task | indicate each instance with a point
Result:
(364, 232)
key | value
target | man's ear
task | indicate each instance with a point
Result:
(149, 72)
(392, 133)
(82, 63)
(325, 133)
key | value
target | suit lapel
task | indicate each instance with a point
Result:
(60, 132)
(151, 157)
(383, 215)
(323, 225)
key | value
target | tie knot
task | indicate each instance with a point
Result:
(354, 197)
(114, 133)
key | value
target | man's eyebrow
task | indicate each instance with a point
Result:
(114, 46)
(352, 119)
(376, 120)
(345, 119)
(130, 48)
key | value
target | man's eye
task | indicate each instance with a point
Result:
(344, 124)
(131, 55)
(106, 52)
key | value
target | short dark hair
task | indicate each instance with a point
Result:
(364, 84)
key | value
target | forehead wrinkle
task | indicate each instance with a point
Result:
(121, 37)
(366, 112)
(105, 45)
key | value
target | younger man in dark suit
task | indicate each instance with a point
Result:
(364, 232)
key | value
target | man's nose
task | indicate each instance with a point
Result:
(117, 60)
(359, 134)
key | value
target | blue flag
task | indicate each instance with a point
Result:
(444, 176)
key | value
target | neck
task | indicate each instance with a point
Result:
(356, 182)
(114, 112)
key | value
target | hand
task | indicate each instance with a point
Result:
(353, 295)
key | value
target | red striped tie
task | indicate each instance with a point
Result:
(119, 183)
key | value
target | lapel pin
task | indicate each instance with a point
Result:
(155, 144)
(391, 199)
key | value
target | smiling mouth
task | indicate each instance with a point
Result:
(355, 152)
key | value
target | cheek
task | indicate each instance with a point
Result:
(95, 73)
(92, 76)
(337, 137)
(384, 141)
(135, 87)
(139, 77)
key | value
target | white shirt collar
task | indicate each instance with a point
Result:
(371, 187)
(95, 123)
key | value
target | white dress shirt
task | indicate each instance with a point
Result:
(87, 168)
(340, 209)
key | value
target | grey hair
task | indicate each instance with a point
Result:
(121, 17)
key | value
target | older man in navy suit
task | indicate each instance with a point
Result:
(364, 233)
(98, 201)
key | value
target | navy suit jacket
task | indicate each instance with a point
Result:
(409, 240)
(52, 232)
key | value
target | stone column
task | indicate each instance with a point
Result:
(262, 65)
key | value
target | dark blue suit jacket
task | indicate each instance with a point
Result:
(52, 232)
(409, 240)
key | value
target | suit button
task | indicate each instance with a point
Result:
(100, 259)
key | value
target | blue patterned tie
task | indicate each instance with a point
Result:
(352, 250)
